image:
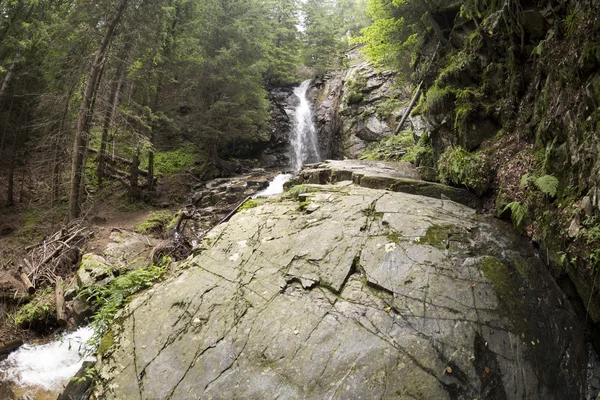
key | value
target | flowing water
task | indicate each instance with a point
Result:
(304, 137)
(275, 187)
(41, 371)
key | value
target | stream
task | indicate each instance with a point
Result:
(42, 371)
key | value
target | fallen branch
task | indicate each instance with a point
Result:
(61, 314)
(28, 285)
(409, 109)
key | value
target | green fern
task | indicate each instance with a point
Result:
(518, 213)
(547, 184)
(525, 179)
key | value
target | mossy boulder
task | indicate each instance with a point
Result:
(94, 270)
(39, 314)
(459, 167)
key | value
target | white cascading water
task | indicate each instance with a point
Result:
(304, 137)
(46, 367)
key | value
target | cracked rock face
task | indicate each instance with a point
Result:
(372, 295)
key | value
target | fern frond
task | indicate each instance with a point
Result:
(518, 212)
(524, 180)
(548, 184)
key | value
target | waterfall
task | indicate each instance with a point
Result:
(304, 137)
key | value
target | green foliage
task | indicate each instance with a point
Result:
(328, 25)
(353, 89)
(548, 184)
(437, 99)
(157, 222)
(284, 48)
(421, 154)
(172, 162)
(518, 214)
(593, 242)
(458, 166)
(90, 374)
(111, 298)
(570, 22)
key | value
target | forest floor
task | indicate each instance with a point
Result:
(25, 225)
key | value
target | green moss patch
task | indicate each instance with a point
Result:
(438, 236)
(107, 341)
(157, 223)
(458, 166)
(39, 314)
(251, 204)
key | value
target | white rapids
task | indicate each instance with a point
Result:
(275, 186)
(48, 366)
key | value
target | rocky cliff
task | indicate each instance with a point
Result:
(345, 291)
(511, 110)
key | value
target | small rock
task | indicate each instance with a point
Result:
(311, 208)
(586, 206)
(574, 227)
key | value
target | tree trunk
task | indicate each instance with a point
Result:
(134, 190)
(10, 75)
(10, 190)
(109, 116)
(84, 111)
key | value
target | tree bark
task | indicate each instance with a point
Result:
(84, 113)
(10, 190)
(10, 74)
(109, 116)
(27, 282)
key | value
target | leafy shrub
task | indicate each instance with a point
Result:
(460, 167)
(421, 154)
(437, 98)
(389, 148)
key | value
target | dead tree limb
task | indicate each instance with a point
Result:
(409, 109)
(61, 314)
(26, 281)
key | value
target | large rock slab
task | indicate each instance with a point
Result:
(389, 175)
(373, 294)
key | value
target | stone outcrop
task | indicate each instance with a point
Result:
(342, 291)
(283, 103)
(389, 175)
(356, 106)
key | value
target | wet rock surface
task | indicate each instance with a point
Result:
(353, 293)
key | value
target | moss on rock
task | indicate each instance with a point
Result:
(458, 166)
(156, 223)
